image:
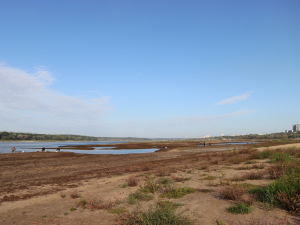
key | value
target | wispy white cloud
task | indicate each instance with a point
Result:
(23, 92)
(234, 99)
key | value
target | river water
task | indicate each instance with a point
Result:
(5, 147)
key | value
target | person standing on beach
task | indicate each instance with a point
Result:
(43, 149)
(13, 149)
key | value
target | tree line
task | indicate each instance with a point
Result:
(13, 136)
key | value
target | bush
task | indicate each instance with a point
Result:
(98, 203)
(233, 192)
(254, 175)
(240, 208)
(157, 215)
(150, 186)
(280, 169)
(63, 194)
(282, 158)
(132, 181)
(290, 185)
(265, 154)
(164, 181)
(258, 166)
(138, 195)
(177, 179)
(74, 194)
(171, 192)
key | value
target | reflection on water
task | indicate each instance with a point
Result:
(5, 147)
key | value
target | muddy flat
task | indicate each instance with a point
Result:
(33, 185)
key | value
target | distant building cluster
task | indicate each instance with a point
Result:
(296, 127)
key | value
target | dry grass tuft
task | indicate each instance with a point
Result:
(132, 181)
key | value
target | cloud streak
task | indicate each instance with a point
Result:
(234, 99)
(23, 92)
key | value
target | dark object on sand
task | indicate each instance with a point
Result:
(43, 149)
(58, 150)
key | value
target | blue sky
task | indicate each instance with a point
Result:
(149, 68)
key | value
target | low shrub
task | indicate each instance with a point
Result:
(290, 202)
(74, 194)
(238, 178)
(132, 181)
(123, 185)
(243, 168)
(274, 193)
(96, 202)
(244, 151)
(171, 192)
(82, 203)
(254, 175)
(236, 160)
(265, 154)
(168, 204)
(177, 179)
(139, 196)
(258, 166)
(63, 194)
(232, 193)
(150, 186)
(164, 181)
(280, 169)
(240, 208)
(154, 215)
(281, 157)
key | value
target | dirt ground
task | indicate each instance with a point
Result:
(31, 184)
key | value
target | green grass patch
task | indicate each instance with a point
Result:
(281, 157)
(124, 185)
(265, 154)
(73, 209)
(139, 196)
(178, 192)
(168, 204)
(239, 208)
(286, 184)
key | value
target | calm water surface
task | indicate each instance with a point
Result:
(5, 147)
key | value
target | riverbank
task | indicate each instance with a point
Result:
(32, 185)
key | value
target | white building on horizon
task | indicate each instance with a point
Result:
(296, 127)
